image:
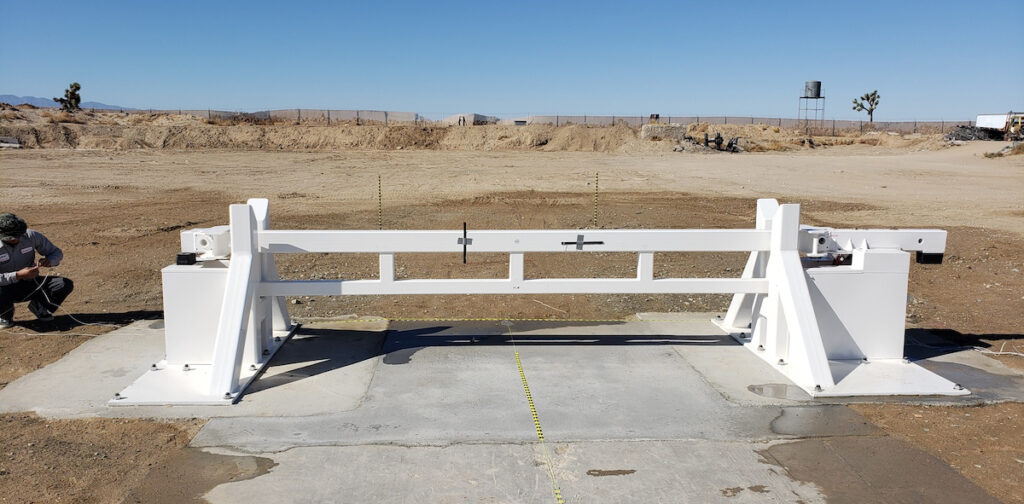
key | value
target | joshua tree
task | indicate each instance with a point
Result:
(868, 102)
(71, 100)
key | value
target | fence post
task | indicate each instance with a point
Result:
(385, 117)
(556, 120)
(751, 120)
(328, 117)
(862, 126)
(299, 111)
(208, 117)
(698, 120)
(915, 125)
(833, 127)
(726, 118)
(942, 128)
(780, 122)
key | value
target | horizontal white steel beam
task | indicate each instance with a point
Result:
(929, 241)
(504, 286)
(623, 240)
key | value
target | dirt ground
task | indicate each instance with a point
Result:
(117, 214)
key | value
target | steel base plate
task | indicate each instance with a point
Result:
(879, 377)
(177, 385)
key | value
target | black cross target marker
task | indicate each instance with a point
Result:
(580, 243)
(464, 241)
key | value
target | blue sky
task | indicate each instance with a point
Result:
(928, 60)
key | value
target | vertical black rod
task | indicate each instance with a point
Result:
(464, 243)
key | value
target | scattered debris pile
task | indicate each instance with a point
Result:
(964, 133)
(687, 142)
(733, 145)
(1016, 149)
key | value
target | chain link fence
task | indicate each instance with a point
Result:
(329, 116)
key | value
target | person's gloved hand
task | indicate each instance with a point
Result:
(44, 262)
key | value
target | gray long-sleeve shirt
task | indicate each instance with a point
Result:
(23, 255)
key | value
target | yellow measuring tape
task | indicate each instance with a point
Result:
(536, 422)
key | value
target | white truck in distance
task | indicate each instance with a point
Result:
(1010, 123)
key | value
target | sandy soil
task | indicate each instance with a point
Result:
(87, 460)
(117, 215)
(110, 460)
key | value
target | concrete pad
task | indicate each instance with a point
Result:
(853, 469)
(592, 472)
(673, 471)
(81, 382)
(667, 409)
(823, 420)
(739, 376)
(325, 367)
(456, 383)
(328, 367)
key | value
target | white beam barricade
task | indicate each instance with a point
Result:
(818, 304)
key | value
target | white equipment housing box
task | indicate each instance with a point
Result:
(190, 321)
(861, 307)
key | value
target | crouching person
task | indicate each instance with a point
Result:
(20, 279)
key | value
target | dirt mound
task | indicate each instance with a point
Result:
(119, 131)
(48, 128)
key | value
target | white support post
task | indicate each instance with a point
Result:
(242, 282)
(280, 321)
(515, 269)
(739, 317)
(387, 268)
(258, 333)
(797, 338)
(645, 266)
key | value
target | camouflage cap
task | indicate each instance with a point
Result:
(11, 226)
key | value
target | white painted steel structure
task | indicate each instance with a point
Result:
(833, 329)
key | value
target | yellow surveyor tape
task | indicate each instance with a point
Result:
(536, 422)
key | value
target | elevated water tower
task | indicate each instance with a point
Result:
(811, 112)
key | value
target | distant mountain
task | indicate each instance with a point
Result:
(48, 102)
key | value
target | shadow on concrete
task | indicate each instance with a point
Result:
(928, 343)
(401, 345)
(63, 321)
(315, 351)
(326, 349)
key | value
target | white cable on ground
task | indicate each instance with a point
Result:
(986, 351)
(39, 288)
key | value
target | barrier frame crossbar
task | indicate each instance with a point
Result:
(782, 302)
